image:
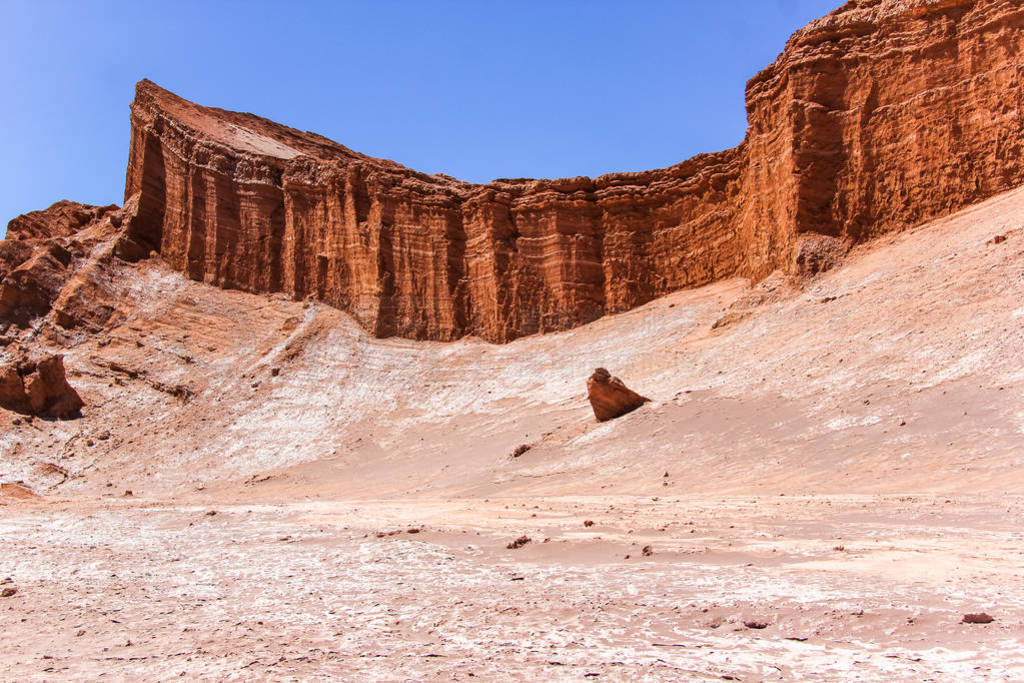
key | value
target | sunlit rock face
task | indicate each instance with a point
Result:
(877, 117)
(49, 263)
(36, 385)
(610, 397)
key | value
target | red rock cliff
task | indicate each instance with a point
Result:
(876, 117)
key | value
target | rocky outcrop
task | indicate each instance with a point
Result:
(880, 115)
(609, 397)
(62, 219)
(37, 386)
(49, 263)
(27, 291)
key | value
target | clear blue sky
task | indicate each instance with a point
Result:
(472, 88)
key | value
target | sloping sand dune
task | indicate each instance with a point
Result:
(837, 460)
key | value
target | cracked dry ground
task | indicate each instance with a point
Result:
(761, 587)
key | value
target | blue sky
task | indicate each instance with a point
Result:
(474, 89)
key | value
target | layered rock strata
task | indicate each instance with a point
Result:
(883, 114)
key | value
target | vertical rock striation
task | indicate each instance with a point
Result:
(887, 113)
(880, 115)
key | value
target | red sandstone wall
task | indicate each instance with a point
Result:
(893, 112)
(883, 114)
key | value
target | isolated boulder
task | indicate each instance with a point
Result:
(609, 397)
(38, 386)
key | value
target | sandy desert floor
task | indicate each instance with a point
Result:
(838, 461)
(752, 588)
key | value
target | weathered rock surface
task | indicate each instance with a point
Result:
(609, 397)
(37, 386)
(28, 290)
(881, 115)
(876, 117)
(62, 219)
(51, 266)
(241, 202)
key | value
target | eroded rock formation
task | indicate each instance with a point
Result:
(51, 267)
(61, 219)
(37, 386)
(609, 397)
(880, 115)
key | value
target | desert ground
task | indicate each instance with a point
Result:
(753, 588)
(827, 479)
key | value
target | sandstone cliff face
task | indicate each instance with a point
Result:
(241, 202)
(886, 113)
(876, 117)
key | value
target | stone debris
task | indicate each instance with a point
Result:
(977, 618)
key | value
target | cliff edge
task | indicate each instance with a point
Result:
(876, 117)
